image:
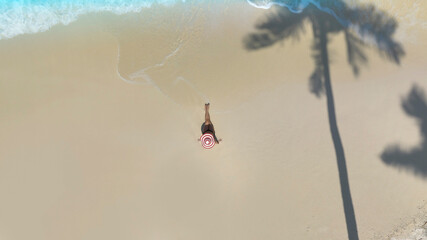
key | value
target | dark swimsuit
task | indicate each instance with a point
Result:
(209, 129)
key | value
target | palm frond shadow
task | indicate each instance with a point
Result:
(415, 159)
(367, 27)
(363, 26)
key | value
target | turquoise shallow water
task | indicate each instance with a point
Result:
(20, 17)
(32, 16)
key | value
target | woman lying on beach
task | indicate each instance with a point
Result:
(208, 137)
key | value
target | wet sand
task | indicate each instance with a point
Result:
(84, 154)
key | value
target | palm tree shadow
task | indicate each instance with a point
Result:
(414, 160)
(359, 24)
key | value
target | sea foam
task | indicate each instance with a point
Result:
(408, 13)
(297, 6)
(32, 16)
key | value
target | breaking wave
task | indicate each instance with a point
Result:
(32, 16)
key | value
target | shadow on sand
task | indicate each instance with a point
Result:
(415, 159)
(363, 26)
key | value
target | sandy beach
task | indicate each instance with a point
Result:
(100, 120)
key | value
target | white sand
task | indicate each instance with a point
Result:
(85, 155)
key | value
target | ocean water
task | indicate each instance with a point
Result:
(32, 16)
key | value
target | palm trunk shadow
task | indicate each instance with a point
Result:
(350, 217)
(359, 23)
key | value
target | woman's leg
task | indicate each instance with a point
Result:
(207, 116)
